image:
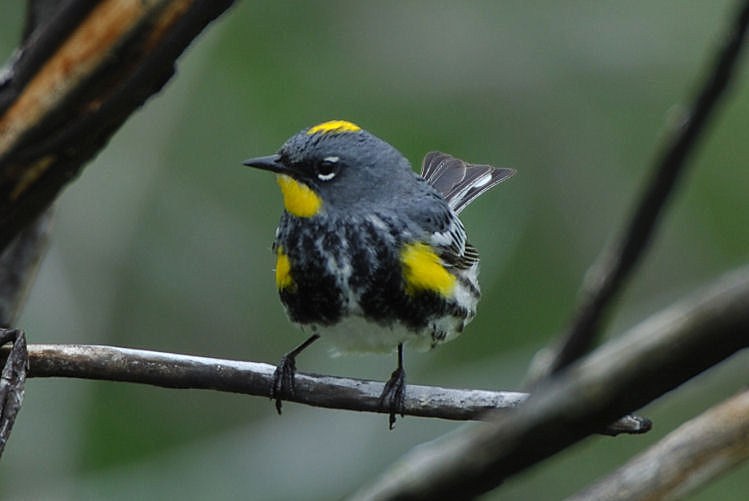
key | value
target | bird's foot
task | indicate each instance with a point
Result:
(283, 380)
(393, 397)
(283, 377)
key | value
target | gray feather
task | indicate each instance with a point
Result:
(460, 182)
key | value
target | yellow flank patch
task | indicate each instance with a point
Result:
(298, 198)
(283, 270)
(333, 126)
(423, 270)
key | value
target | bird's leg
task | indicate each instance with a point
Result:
(283, 377)
(393, 396)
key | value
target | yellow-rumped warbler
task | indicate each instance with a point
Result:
(369, 254)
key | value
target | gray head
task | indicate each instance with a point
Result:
(337, 164)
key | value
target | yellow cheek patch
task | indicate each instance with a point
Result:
(333, 126)
(423, 271)
(298, 198)
(283, 270)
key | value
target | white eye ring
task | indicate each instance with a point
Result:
(330, 175)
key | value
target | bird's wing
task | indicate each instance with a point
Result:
(444, 232)
(452, 247)
(460, 182)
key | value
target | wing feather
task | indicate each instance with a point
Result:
(460, 182)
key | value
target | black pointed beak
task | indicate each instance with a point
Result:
(271, 162)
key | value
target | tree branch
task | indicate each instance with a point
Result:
(607, 275)
(655, 357)
(12, 381)
(83, 67)
(171, 370)
(74, 81)
(686, 459)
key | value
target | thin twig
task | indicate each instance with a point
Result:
(655, 357)
(685, 460)
(172, 370)
(607, 275)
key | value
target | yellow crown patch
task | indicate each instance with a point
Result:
(333, 127)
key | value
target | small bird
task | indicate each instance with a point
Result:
(369, 254)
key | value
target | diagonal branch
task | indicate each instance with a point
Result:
(608, 274)
(685, 460)
(185, 371)
(653, 358)
(76, 78)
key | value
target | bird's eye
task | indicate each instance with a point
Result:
(327, 168)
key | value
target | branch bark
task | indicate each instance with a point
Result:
(75, 80)
(685, 460)
(608, 274)
(653, 358)
(12, 381)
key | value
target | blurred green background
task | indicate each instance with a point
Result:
(164, 241)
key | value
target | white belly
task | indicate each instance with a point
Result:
(353, 334)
